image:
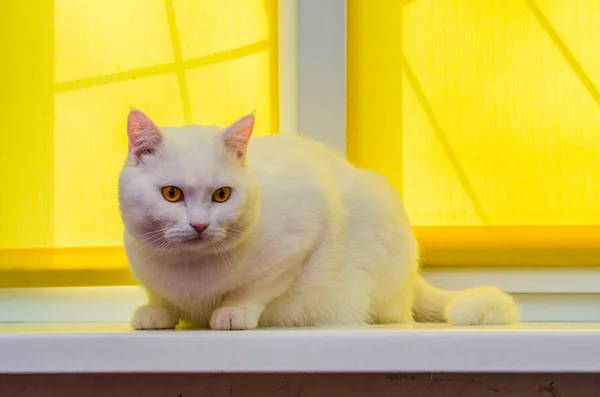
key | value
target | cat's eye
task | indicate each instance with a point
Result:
(172, 193)
(221, 195)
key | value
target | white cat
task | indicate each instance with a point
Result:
(285, 233)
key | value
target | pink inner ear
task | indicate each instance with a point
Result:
(144, 135)
(235, 138)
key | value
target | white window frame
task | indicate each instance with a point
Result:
(312, 70)
(544, 293)
(312, 92)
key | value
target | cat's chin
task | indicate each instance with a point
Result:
(198, 241)
(203, 242)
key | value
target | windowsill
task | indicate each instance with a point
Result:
(89, 348)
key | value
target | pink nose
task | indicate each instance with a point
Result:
(199, 227)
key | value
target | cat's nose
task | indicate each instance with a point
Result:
(199, 227)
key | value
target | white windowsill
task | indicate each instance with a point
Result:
(75, 330)
(81, 348)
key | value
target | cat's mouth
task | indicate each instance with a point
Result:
(195, 239)
(173, 239)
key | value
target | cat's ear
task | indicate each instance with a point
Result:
(144, 136)
(235, 138)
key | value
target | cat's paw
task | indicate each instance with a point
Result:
(231, 317)
(151, 317)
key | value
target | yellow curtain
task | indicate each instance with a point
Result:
(480, 112)
(73, 71)
(485, 115)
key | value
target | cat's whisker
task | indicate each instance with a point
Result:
(235, 234)
(224, 253)
(150, 233)
(220, 255)
(231, 254)
(236, 231)
(163, 245)
(155, 240)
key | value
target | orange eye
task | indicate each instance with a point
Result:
(172, 194)
(221, 195)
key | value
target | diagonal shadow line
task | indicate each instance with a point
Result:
(564, 51)
(446, 146)
(165, 68)
(89, 82)
(179, 64)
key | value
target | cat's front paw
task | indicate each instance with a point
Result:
(231, 317)
(151, 317)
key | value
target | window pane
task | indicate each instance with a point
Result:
(90, 146)
(64, 112)
(210, 26)
(496, 123)
(26, 136)
(223, 92)
(94, 38)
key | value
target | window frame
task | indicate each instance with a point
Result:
(546, 268)
(107, 265)
(312, 78)
(311, 63)
(316, 107)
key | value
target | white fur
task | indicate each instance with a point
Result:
(306, 239)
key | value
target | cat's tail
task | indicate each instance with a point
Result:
(475, 306)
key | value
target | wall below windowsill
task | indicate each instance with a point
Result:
(113, 348)
(305, 385)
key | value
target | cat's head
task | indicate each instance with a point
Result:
(187, 187)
